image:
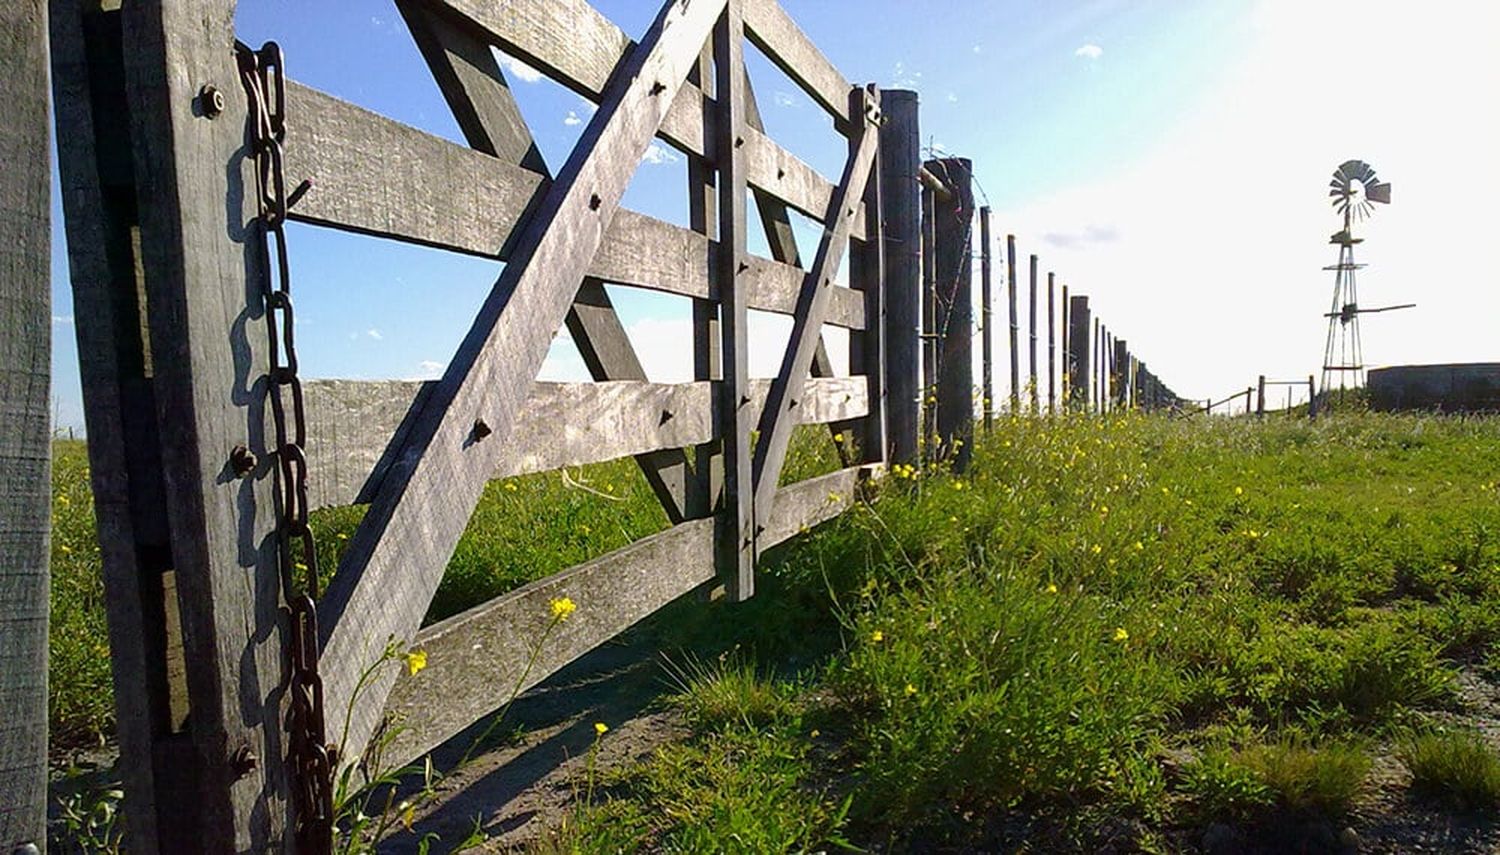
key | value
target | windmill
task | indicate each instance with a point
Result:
(1355, 192)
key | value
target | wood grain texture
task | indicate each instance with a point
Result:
(477, 658)
(355, 427)
(772, 30)
(953, 283)
(734, 535)
(25, 441)
(376, 176)
(98, 197)
(576, 46)
(901, 217)
(776, 420)
(208, 354)
(396, 558)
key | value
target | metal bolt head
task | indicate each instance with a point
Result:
(242, 460)
(211, 100)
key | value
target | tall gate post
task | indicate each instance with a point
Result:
(1260, 397)
(172, 340)
(1031, 303)
(25, 439)
(1015, 358)
(1078, 352)
(1121, 369)
(1312, 398)
(953, 220)
(1051, 345)
(900, 199)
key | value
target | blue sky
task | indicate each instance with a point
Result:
(1109, 136)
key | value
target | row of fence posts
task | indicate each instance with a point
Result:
(1259, 393)
(1097, 371)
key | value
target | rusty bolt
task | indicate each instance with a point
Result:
(242, 460)
(244, 762)
(481, 430)
(211, 100)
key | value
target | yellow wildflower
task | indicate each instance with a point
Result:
(910, 690)
(1097, 549)
(562, 607)
(416, 660)
(1239, 491)
(1121, 636)
(1139, 546)
(601, 728)
(838, 437)
(408, 814)
(877, 636)
(342, 536)
(815, 734)
(1051, 588)
(65, 549)
(834, 497)
(511, 486)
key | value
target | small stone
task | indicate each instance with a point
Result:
(1349, 840)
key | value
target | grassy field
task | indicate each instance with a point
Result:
(1108, 631)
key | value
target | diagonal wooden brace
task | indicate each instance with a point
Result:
(396, 559)
(777, 421)
(474, 86)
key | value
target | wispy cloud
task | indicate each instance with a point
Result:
(657, 155)
(572, 119)
(520, 70)
(429, 369)
(1089, 51)
(783, 99)
(374, 333)
(905, 77)
(978, 48)
(952, 98)
(1088, 236)
(62, 319)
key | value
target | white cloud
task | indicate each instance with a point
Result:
(518, 69)
(1214, 270)
(62, 319)
(783, 99)
(374, 333)
(978, 49)
(659, 154)
(572, 119)
(905, 78)
(952, 98)
(429, 369)
(1089, 51)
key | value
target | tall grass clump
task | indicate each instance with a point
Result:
(1459, 768)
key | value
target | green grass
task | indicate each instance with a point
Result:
(1458, 767)
(1030, 643)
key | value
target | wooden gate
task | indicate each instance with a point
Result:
(160, 204)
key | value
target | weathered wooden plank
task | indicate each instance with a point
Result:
(355, 426)
(786, 391)
(867, 347)
(734, 535)
(476, 92)
(703, 218)
(575, 45)
(197, 275)
(376, 176)
(953, 281)
(901, 217)
(777, 171)
(98, 196)
(25, 442)
(475, 659)
(397, 556)
(772, 30)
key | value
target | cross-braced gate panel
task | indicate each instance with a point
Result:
(176, 365)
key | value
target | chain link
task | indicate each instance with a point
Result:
(311, 759)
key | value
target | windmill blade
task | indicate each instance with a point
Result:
(1379, 193)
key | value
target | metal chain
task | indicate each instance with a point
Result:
(311, 759)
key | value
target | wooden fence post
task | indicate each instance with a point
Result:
(986, 322)
(1119, 381)
(900, 195)
(929, 323)
(25, 439)
(953, 280)
(1031, 303)
(1096, 365)
(1260, 397)
(1065, 367)
(1078, 352)
(1015, 358)
(1051, 345)
(1312, 398)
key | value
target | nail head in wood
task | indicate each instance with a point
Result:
(242, 460)
(481, 429)
(244, 761)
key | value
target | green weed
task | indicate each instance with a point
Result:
(1459, 768)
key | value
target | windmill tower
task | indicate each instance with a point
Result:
(1355, 192)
